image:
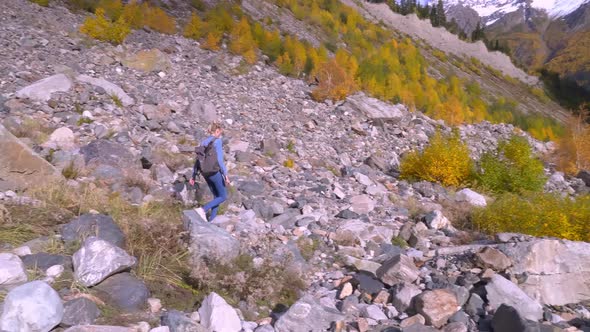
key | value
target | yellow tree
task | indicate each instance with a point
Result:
(194, 28)
(241, 41)
(335, 82)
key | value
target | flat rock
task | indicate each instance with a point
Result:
(507, 319)
(400, 268)
(42, 89)
(62, 138)
(33, 307)
(20, 167)
(43, 261)
(98, 225)
(437, 306)
(109, 153)
(374, 108)
(362, 204)
(307, 314)
(125, 292)
(98, 259)
(110, 88)
(217, 315)
(502, 291)
(12, 269)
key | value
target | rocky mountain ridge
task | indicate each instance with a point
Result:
(382, 253)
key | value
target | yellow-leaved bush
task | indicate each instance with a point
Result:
(537, 214)
(445, 160)
(101, 28)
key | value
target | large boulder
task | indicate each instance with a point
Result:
(62, 138)
(217, 315)
(362, 232)
(12, 269)
(503, 291)
(98, 225)
(308, 314)
(362, 204)
(32, 307)
(20, 167)
(399, 268)
(107, 158)
(209, 242)
(375, 109)
(98, 259)
(42, 89)
(110, 88)
(437, 306)
(403, 295)
(471, 197)
(507, 319)
(147, 60)
(493, 259)
(125, 292)
(558, 271)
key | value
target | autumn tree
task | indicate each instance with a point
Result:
(335, 82)
(241, 41)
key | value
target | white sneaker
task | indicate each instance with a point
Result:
(201, 213)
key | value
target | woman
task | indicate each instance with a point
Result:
(216, 181)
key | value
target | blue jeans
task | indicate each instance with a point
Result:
(216, 184)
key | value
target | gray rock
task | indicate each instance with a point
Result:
(179, 322)
(125, 292)
(12, 269)
(374, 312)
(33, 307)
(163, 174)
(437, 306)
(474, 306)
(419, 328)
(43, 261)
(105, 152)
(585, 176)
(307, 314)
(455, 327)
(250, 188)
(80, 311)
(436, 220)
(347, 214)
(398, 269)
(98, 225)
(367, 282)
(502, 291)
(270, 147)
(362, 204)
(98, 259)
(203, 111)
(217, 315)
(557, 270)
(375, 109)
(471, 197)
(265, 328)
(403, 295)
(42, 90)
(493, 259)
(209, 242)
(507, 319)
(460, 316)
(110, 88)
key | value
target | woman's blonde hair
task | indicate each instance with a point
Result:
(214, 126)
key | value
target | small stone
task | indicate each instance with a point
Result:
(382, 297)
(374, 312)
(345, 291)
(400, 268)
(55, 271)
(155, 305)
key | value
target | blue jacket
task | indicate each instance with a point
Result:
(218, 149)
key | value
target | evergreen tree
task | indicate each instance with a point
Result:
(440, 14)
(403, 6)
(433, 17)
(478, 33)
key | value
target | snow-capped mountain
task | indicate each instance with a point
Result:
(491, 10)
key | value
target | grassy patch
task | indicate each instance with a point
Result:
(70, 171)
(117, 101)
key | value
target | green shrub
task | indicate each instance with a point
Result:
(538, 215)
(512, 168)
(445, 160)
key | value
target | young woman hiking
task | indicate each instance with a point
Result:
(216, 181)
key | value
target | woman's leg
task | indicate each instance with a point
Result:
(217, 186)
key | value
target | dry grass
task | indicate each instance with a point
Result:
(34, 129)
(174, 161)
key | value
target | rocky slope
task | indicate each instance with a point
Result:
(381, 254)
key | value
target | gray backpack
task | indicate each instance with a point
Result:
(207, 159)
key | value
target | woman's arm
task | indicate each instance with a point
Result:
(219, 150)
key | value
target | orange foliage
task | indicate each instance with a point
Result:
(335, 82)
